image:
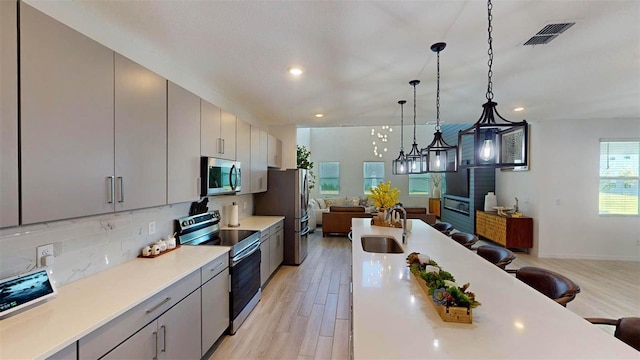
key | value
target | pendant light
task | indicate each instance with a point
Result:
(400, 165)
(439, 156)
(495, 145)
(414, 158)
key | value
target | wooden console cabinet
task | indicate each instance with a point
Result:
(434, 206)
(509, 232)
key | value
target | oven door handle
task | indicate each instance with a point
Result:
(253, 248)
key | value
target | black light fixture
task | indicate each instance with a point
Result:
(495, 145)
(414, 158)
(439, 156)
(399, 165)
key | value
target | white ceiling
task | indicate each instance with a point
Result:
(359, 56)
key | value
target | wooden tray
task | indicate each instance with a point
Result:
(377, 222)
(447, 313)
(162, 253)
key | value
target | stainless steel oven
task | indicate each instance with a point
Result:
(244, 259)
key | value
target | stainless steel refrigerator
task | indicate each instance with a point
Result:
(288, 196)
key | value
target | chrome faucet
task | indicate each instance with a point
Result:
(398, 207)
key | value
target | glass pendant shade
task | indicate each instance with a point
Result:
(414, 158)
(494, 144)
(400, 166)
(439, 157)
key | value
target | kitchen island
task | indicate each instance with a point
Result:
(393, 317)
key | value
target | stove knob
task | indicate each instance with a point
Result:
(184, 223)
(191, 222)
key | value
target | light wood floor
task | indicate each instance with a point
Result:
(304, 311)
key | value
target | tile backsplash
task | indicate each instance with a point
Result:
(85, 246)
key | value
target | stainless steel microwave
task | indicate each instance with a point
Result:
(220, 176)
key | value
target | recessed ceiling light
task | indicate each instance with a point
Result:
(295, 70)
(318, 115)
(518, 109)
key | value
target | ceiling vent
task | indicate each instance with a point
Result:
(548, 33)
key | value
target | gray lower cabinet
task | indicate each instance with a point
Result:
(265, 258)
(174, 335)
(68, 353)
(276, 251)
(272, 251)
(8, 114)
(215, 303)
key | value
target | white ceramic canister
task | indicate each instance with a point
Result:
(490, 201)
(171, 242)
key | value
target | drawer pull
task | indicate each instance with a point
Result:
(157, 306)
(216, 267)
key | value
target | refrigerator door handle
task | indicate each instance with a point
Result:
(305, 231)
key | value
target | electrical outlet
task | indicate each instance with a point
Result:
(41, 252)
(152, 227)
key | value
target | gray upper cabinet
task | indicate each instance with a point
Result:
(274, 146)
(8, 114)
(258, 160)
(210, 144)
(67, 114)
(218, 136)
(183, 145)
(228, 135)
(243, 154)
(140, 136)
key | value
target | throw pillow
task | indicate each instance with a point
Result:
(321, 202)
(352, 201)
(333, 202)
(364, 201)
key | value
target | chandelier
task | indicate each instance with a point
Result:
(399, 165)
(495, 145)
(439, 157)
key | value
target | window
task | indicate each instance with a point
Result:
(419, 184)
(329, 177)
(372, 175)
(619, 169)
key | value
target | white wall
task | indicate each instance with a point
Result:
(561, 191)
(351, 146)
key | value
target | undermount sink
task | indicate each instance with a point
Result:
(381, 244)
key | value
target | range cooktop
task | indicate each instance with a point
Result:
(204, 229)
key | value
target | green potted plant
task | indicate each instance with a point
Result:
(304, 162)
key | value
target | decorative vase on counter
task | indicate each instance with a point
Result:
(382, 214)
(436, 192)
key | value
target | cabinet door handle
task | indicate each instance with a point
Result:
(164, 338)
(229, 277)
(157, 306)
(112, 189)
(155, 335)
(222, 145)
(121, 192)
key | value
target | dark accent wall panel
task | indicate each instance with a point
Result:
(481, 181)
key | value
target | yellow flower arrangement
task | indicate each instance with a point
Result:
(384, 196)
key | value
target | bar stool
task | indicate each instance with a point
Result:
(627, 329)
(465, 239)
(443, 227)
(555, 286)
(498, 256)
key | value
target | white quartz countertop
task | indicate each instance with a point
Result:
(394, 319)
(84, 305)
(257, 223)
